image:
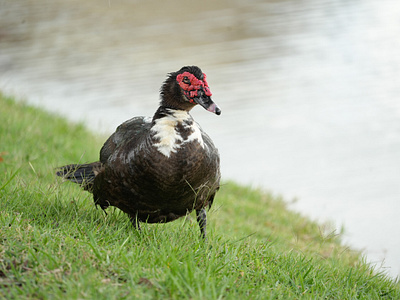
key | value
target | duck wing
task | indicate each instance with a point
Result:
(131, 130)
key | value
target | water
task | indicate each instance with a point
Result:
(308, 90)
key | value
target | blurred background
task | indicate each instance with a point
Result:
(309, 91)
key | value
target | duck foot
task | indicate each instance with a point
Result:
(135, 222)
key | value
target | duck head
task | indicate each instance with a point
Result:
(186, 88)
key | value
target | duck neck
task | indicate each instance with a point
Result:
(179, 114)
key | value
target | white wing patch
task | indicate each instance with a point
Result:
(147, 119)
(169, 138)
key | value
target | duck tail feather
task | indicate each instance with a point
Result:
(82, 174)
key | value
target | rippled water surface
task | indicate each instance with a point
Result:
(309, 90)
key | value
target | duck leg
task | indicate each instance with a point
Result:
(135, 222)
(202, 220)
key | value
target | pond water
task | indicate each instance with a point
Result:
(308, 91)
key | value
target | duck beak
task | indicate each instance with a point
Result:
(206, 102)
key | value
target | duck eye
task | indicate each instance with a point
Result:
(186, 80)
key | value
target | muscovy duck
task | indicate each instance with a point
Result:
(158, 169)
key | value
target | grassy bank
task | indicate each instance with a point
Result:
(54, 243)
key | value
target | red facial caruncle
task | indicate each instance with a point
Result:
(190, 85)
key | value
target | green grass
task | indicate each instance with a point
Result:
(55, 244)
